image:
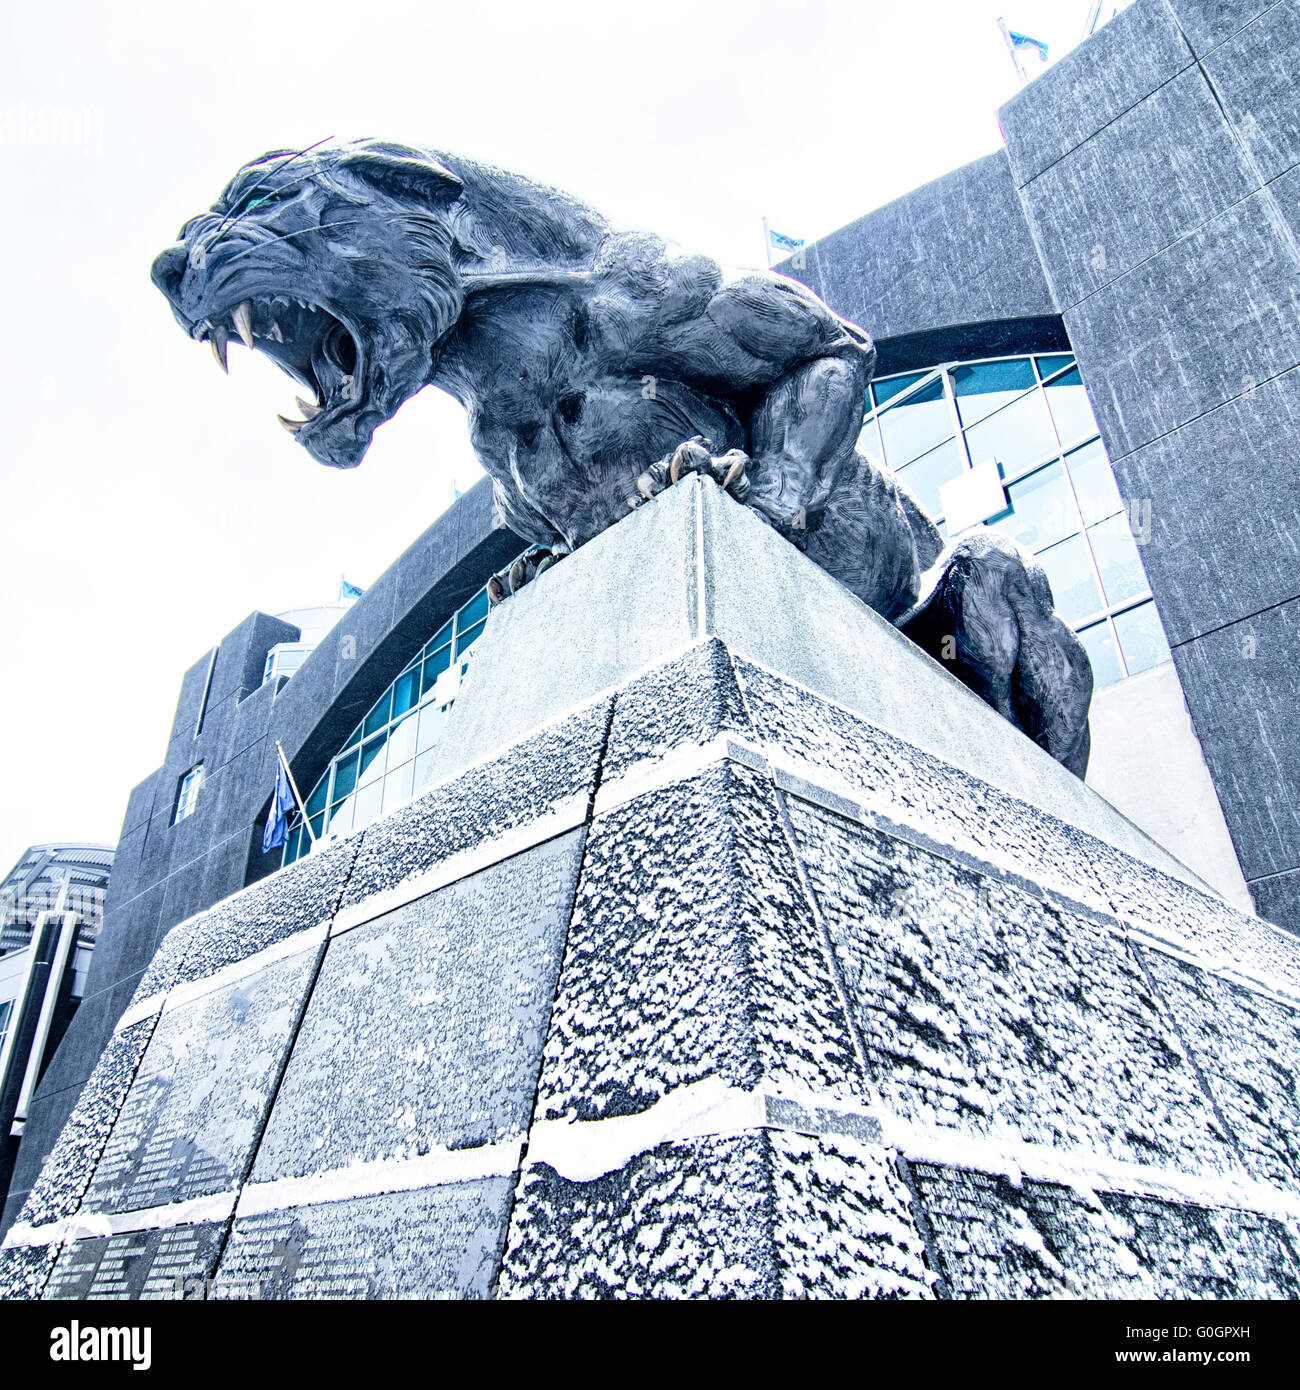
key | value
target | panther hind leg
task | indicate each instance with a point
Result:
(986, 612)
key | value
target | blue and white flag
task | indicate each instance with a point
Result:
(347, 590)
(1024, 41)
(283, 804)
(783, 242)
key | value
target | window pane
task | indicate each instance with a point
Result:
(985, 387)
(378, 716)
(1142, 637)
(1100, 646)
(318, 825)
(406, 691)
(927, 475)
(431, 722)
(293, 845)
(341, 817)
(466, 638)
(316, 801)
(353, 737)
(474, 610)
(891, 386)
(440, 638)
(916, 425)
(401, 740)
(1094, 483)
(1053, 363)
(1042, 511)
(370, 800)
(1070, 408)
(422, 765)
(1015, 436)
(345, 775)
(1118, 561)
(1074, 586)
(372, 763)
(869, 439)
(434, 666)
(397, 785)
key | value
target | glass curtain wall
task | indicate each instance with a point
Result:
(1031, 415)
(387, 755)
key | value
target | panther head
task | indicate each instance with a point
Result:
(336, 263)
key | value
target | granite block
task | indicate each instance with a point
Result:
(426, 1025)
(984, 1010)
(436, 1242)
(755, 1215)
(192, 1120)
(177, 1262)
(692, 953)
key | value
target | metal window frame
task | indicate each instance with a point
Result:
(458, 657)
(1108, 612)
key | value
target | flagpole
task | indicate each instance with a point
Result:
(1011, 49)
(293, 787)
(767, 244)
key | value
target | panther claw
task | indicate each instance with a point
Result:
(696, 456)
(523, 571)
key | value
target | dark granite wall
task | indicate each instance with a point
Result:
(164, 873)
(1159, 168)
(948, 271)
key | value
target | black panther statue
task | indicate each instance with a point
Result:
(596, 367)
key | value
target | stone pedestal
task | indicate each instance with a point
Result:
(738, 951)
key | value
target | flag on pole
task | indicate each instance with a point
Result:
(347, 590)
(782, 242)
(283, 803)
(1024, 41)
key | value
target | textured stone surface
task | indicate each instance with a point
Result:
(1240, 684)
(689, 700)
(692, 953)
(1246, 1046)
(1253, 73)
(176, 1263)
(25, 1269)
(426, 1026)
(194, 1114)
(1002, 1239)
(1208, 23)
(762, 1215)
(519, 786)
(1154, 359)
(1128, 192)
(982, 1009)
(299, 897)
(955, 252)
(1128, 59)
(71, 1164)
(438, 1242)
(1205, 521)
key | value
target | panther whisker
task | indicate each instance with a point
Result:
(283, 164)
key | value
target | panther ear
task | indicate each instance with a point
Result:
(404, 173)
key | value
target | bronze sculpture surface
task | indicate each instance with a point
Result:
(596, 366)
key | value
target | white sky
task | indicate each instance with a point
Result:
(149, 503)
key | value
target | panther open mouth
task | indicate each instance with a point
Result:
(313, 345)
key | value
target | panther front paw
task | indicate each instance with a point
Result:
(696, 456)
(523, 571)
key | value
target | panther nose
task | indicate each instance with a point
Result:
(169, 270)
